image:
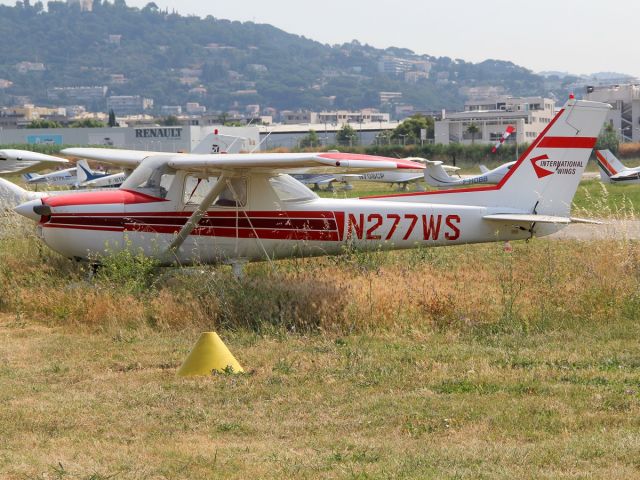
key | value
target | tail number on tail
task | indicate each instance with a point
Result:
(372, 226)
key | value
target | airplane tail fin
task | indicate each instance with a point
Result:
(484, 169)
(83, 172)
(545, 178)
(436, 176)
(608, 164)
(11, 195)
(219, 143)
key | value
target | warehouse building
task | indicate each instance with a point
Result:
(152, 138)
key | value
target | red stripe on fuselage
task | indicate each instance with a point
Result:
(233, 213)
(262, 233)
(257, 224)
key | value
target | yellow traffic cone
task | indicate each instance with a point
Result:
(209, 354)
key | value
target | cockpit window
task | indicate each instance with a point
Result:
(153, 176)
(288, 189)
(234, 195)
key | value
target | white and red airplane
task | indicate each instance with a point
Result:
(613, 171)
(236, 208)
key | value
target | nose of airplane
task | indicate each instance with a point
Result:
(33, 210)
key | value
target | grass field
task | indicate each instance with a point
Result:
(458, 362)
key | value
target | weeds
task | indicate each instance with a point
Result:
(478, 288)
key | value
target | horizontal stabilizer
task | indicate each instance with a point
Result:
(532, 218)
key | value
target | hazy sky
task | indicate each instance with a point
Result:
(579, 36)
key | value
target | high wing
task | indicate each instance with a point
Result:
(266, 161)
(114, 156)
(23, 161)
(290, 161)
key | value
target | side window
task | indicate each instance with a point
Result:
(234, 195)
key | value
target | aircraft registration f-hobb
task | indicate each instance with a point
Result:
(234, 208)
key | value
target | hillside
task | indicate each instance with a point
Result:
(221, 64)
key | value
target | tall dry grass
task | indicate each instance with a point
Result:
(480, 288)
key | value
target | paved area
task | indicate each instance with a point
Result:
(612, 229)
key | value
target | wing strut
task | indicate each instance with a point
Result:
(197, 215)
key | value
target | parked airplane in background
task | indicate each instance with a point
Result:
(236, 208)
(436, 175)
(87, 179)
(613, 171)
(70, 177)
(402, 179)
(23, 161)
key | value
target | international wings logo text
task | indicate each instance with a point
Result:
(565, 167)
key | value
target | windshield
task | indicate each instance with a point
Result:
(288, 189)
(153, 176)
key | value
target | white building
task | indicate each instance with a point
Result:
(340, 117)
(335, 117)
(530, 115)
(129, 104)
(625, 115)
(289, 136)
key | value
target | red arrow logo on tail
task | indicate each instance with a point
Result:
(541, 172)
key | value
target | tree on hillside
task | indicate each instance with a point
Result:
(347, 136)
(409, 130)
(151, 7)
(608, 138)
(473, 130)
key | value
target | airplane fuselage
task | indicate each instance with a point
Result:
(316, 227)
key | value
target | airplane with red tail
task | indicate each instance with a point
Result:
(190, 208)
(613, 171)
